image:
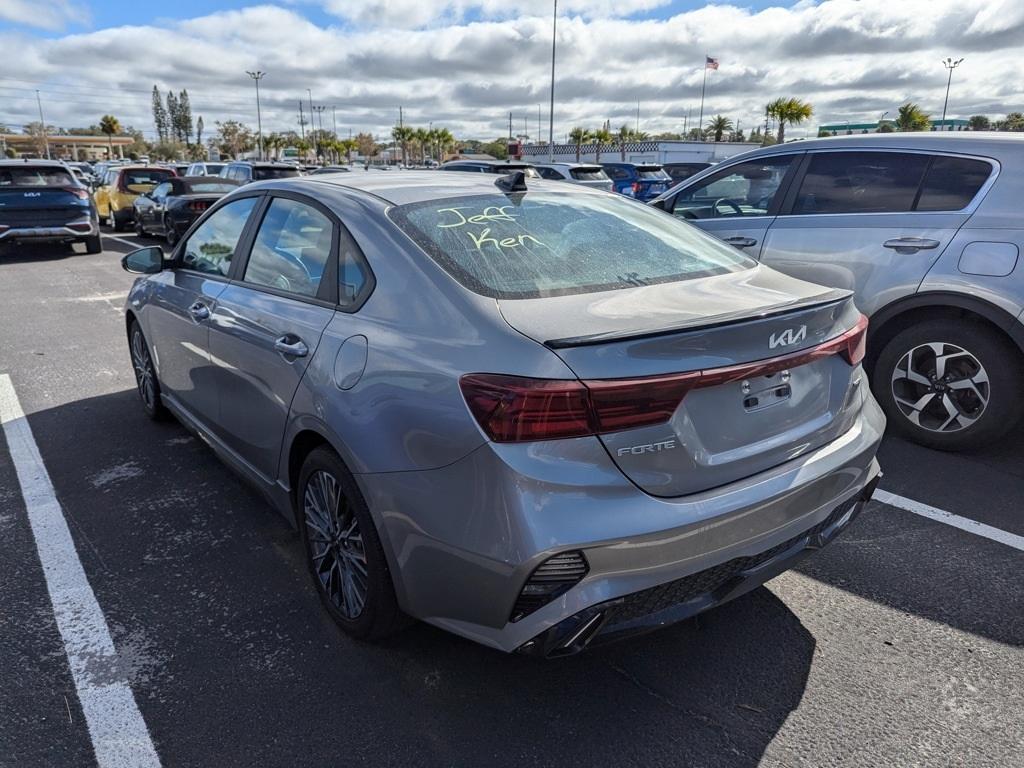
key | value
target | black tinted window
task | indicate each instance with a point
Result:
(589, 174)
(744, 189)
(259, 174)
(549, 173)
(860, 182)
(211, 247)
(616, 173)
(951, 183)
(38, 176)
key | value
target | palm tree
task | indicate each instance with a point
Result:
(422, 139)
(718, 125)
(789, 111)
(579, 136)
(109, 125)
(443, 139)
(403, 135)
(601, 137)
(912, 118)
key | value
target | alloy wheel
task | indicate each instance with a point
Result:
(144, 375)
(335, 544)
(941, 387)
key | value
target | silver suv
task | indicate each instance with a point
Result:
(926, 229)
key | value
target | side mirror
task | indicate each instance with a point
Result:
(144, 261)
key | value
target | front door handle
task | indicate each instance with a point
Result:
(910, 244)
(741, 242)
(199, 311)
(292, 346)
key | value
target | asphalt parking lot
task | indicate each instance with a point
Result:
(902, 644)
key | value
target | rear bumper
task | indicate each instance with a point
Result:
(69, 231)
(683, 598)
(463, 540)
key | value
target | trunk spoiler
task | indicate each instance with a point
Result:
(834, 296)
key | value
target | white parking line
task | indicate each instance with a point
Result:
(132, 243)
(963, 523)
(118, 732)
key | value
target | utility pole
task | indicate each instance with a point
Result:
(551, 113)
(257, 76)
(638, 116)
(312, 124)
(42, 126)
(538, 123)
(949, 64)
(302, 121)
(401, 129)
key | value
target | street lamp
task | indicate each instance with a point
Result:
(257, 76)
(551, 113)
(950, 64)
(881, 119)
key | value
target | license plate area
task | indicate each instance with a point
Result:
(766, 391)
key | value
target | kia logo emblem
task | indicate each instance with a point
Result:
(788, 337)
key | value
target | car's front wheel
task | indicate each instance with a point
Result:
(145, 374)
(343, 550)
(950, 384)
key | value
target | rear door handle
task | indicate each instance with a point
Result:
(910, 244)
(292, 346)
(741, 242)
(199, 311)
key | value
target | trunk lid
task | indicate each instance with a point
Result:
(731, 425)
(42, 206)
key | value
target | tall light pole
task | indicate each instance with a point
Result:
(881, 119)
(551, 113)
(312, 125)
(257, 76)
(950, 64)
(42, 126)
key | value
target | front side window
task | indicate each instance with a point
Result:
(162, 190)
(291, 249)
(212, 246)
(555, 243)
(745, 189)
(861, 182)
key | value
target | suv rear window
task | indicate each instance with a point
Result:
(951, 183)
(652, 173)
(38, 176)
(588, 174)
(261, 174)
(553, 244)
(151, 176)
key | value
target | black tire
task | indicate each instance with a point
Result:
(142, 364)
(139, 229)
(379, 615)
(93, 244)
(170, 235)
(1003, 366)
(119, 222)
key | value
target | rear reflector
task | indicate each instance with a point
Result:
(513, 409)
(552, 578)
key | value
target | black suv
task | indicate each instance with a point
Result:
(41, 201)
(243, 171)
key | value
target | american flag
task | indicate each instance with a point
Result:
(710, 63)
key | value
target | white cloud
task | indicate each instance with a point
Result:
(43, 14)
(852, 60)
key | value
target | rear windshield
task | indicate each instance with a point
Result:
(553, 244)
(588, 174)
(209, 187)
(151, 176)
(40, 176)
(652, 173)
(212, 169)
(261, 174)
(503, 168)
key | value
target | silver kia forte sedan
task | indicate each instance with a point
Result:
(536, 415)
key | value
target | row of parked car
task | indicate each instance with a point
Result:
(640, 181)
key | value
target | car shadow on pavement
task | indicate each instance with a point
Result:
(23, 254)
(234, 662)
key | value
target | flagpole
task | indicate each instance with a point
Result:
(703, 85)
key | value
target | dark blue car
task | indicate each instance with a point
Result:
(40, 201)
(643, 181)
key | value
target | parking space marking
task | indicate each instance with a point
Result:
(963, 523)
(119, 735)
(132, 243)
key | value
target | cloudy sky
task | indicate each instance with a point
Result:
(465, 64)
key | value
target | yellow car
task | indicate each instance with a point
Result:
(119, 188)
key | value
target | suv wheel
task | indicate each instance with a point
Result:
(343, 550)
(950, 384)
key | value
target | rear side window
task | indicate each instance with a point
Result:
(617, 173)
(553, 244)
(212, 246)
(588, 174)
(861, 182)
(951, 183)
(549, 173)
(291, 249)
(40, 176)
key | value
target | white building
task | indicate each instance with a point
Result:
(641, 152)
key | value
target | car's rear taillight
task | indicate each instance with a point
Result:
(78, 192)
(513, 409)
(198, 207)
(637, 186)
